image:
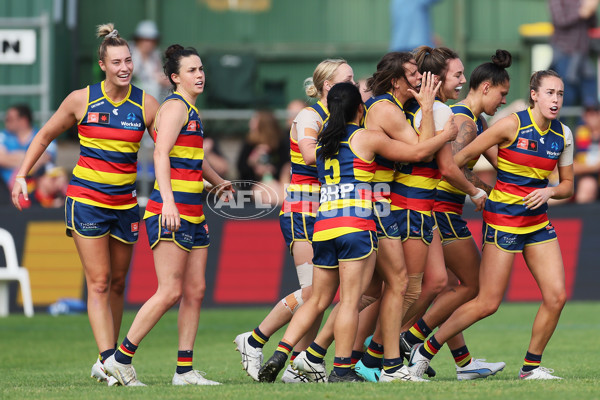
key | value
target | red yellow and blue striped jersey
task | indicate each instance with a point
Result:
(524, 166)
(384, 168)
(302, 194)
(415, 183)
(185, 158)
(346, 204)
(109, 138)
(448, 198)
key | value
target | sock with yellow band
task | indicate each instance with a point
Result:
(461, 356)
(257, 339)
(184, 361)
(532, 361)
(125, 352)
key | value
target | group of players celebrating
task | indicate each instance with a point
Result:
(374, 207)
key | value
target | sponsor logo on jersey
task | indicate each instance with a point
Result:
(131, 125)
(97, 104)
(527, 144)
(98, 118)
(193, 126)
(135, 226)
(88, 226)
(116, 111)
(130, 122)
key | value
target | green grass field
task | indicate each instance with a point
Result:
(50, 357)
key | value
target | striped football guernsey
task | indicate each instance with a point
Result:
(186, 158)
(524, 166)
(346, 195)
(448, 198)
(415, 183)
(384, 168)
(109, 137)
(302, 194)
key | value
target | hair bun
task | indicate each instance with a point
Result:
(502, 58)
(172, 50)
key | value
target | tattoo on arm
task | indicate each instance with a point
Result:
(467, 132)
(474, 179)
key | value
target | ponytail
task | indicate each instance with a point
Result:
(494, 71)
(110, 38)
(343, 101)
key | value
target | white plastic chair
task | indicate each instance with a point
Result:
(13, 272)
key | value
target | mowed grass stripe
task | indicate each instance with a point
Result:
(50, 358)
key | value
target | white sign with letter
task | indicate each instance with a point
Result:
(17, 46)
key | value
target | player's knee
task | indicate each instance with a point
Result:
(556, 300)
(99, 285)
(436, 284)
(398, 284)
(306, 293)
(170, 297)
(195, 295)
(562, 299)
(117, 286)
(470, 292)
(293, 301)
(488, 307)
(305, 274)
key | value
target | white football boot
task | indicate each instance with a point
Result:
(124, 373)
(540, 373)
(478, 368)
(252, 357)
(193, 377)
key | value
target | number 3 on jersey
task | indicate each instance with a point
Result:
(333, 165)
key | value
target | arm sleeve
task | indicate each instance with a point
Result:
(306, 119)
(566, 157)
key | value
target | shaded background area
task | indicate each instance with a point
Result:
(258, 52)
(249, 264)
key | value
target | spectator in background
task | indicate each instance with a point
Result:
(214, 156)
(571, 49)
(148, 72)
(50, 187)
(292, 109)
(147, 75)
(411, 24)
(264, 156)
(14, 141)
(586, 164)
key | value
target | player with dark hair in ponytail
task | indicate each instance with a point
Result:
(175, 221)
(296, 219)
